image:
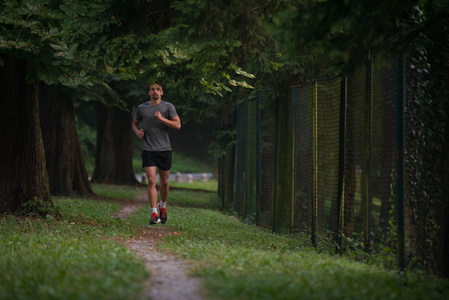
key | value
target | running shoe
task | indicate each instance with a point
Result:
(154, 219)
(163, 213)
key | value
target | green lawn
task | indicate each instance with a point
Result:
(211, 185)
(240, 261)
(80, 256)
(77, 257)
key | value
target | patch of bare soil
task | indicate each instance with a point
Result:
(170, 278)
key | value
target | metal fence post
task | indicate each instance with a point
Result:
(276, 142)
(367, 178)
(237, 198)
(341, 163)
(258, 172)
(293, 120)
(314, 163)
(400, 164)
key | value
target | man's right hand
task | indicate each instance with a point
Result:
(140, 133)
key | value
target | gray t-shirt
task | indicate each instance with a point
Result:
(156, 133)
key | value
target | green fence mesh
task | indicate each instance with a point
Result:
(383, 150)
(321, 160)
(284, 166)
(226, 183)
(239, 199)
(327, 150)
(356, 154)
(265, 153)
(329, 160)
(303, 158)
(251, 161)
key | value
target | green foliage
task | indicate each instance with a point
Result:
(37, 207)
(346, 30)
(224, 140)
(82, 43)
(223, 51)
(427, 139)
(38, 30)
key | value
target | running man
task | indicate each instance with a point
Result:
(157, 116)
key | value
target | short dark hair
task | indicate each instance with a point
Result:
(156, 83)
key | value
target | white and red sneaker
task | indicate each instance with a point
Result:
(154, 219)
(162, 213)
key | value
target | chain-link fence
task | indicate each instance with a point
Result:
(328, 159)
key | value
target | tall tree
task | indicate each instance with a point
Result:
(23, 175)
(113, 161)
(46, 35)
(38, 31)
(36, 44)
(64, 160)
(26, 31)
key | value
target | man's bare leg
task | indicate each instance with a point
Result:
(164, 178)
(152, 192)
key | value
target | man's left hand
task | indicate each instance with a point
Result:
(158, 115)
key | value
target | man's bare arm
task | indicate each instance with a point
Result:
(137, 131)
(174, 122)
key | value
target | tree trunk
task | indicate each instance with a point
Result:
(23, 175)
(113, 161)
(65, 163)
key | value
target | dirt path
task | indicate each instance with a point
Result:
(169, 276)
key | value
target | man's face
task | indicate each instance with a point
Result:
(155, 92)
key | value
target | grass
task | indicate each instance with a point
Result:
(81, 256)
(74, 258)
(118, 191)
(211, 185)
(239, 261)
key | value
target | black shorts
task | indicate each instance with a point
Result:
(160, 159)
